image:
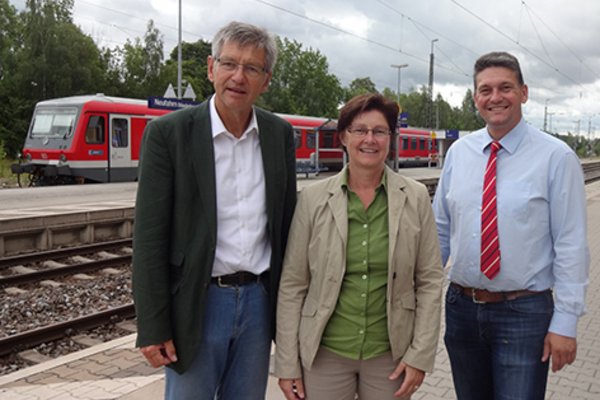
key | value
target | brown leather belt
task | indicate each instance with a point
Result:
(482, 296)
(238, 279)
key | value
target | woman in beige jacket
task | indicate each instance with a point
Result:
(360, 294)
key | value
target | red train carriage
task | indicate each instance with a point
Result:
(93, 138)
(325, 152)
(416, 147)
(97, 138)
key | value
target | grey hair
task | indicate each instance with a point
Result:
(497, 59)
(246, 35)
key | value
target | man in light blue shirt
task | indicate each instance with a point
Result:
(502, 332)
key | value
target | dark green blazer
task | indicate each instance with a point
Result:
(176, 222)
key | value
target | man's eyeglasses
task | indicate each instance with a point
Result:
(250, 70)
(362, 131)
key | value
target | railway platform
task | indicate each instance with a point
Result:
(116, 370)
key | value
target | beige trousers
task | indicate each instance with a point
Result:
(335, 377)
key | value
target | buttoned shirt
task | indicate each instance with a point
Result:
(357, 328)
(542, 224)
(242, 240)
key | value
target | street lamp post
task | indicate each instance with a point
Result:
(546, 115)
(179, 92)
(399, 67)
(430, 100)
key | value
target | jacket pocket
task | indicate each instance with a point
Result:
(310, 307)
(407, 301)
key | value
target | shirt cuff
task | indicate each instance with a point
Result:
(564, 324)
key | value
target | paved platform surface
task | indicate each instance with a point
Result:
(53, 200)
(116, 370)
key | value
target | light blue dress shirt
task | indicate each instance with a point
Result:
(542, 224)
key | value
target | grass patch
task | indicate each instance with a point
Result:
(7, 178)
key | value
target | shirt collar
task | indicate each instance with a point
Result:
(382, 184)
(218, 127)
(510, 142)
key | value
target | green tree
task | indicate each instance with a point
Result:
(302, 83)
(469, 118)
(193, 68)
(10, 44)
(142, 64)
(443, 113)
(113, 82)
(390, 94)
(54, 59)
(415, 104)
(359, 86)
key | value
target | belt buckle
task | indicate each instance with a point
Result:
(474, 297)
(221, 284)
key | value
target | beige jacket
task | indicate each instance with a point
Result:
(315, 262)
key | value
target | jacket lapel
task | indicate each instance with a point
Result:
(396, 202)
(203, 162)
(268, 146)
(338, 204)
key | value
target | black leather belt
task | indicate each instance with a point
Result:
(238, 279)
(484, 296)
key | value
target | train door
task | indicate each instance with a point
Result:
(119, 160)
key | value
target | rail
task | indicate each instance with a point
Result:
(35, 276)
(6, 262)
(59, 330)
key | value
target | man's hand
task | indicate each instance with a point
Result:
(563, 350)
(413, 378)
(293, 389)
(160, 354)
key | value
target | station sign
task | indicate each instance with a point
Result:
(451, 133)
(403, 120)
(169, 104)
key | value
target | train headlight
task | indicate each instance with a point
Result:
(62, 158)
(28, 157)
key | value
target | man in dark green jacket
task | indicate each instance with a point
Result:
(216, 194)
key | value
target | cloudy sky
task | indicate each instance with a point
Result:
(556, 41)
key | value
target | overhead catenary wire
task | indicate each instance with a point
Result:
(475, 15)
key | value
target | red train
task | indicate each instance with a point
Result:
(97, 138)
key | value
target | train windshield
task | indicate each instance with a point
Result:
(54, 122)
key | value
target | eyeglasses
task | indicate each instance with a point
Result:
(250, 70)
(362, 131)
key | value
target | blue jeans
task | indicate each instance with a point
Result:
(496, 349)
(232, 361)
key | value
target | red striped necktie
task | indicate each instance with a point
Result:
(490, 246)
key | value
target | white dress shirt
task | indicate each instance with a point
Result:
(242, 240)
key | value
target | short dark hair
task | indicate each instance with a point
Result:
(368, 102)
(497, 59)
(246, 35)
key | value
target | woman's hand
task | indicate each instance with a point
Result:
(413, 378)
(293, 389)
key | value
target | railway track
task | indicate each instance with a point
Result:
(62, 270)
(591, 171)
(45, 334)
(22, 331)
(6, 262)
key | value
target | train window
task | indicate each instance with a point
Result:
(94, 132)
(310, 139)
(298, 138)
(54, 122)
(405, 143)
(326, 139)
(421, 144)
(119, 135)
(413, 143)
